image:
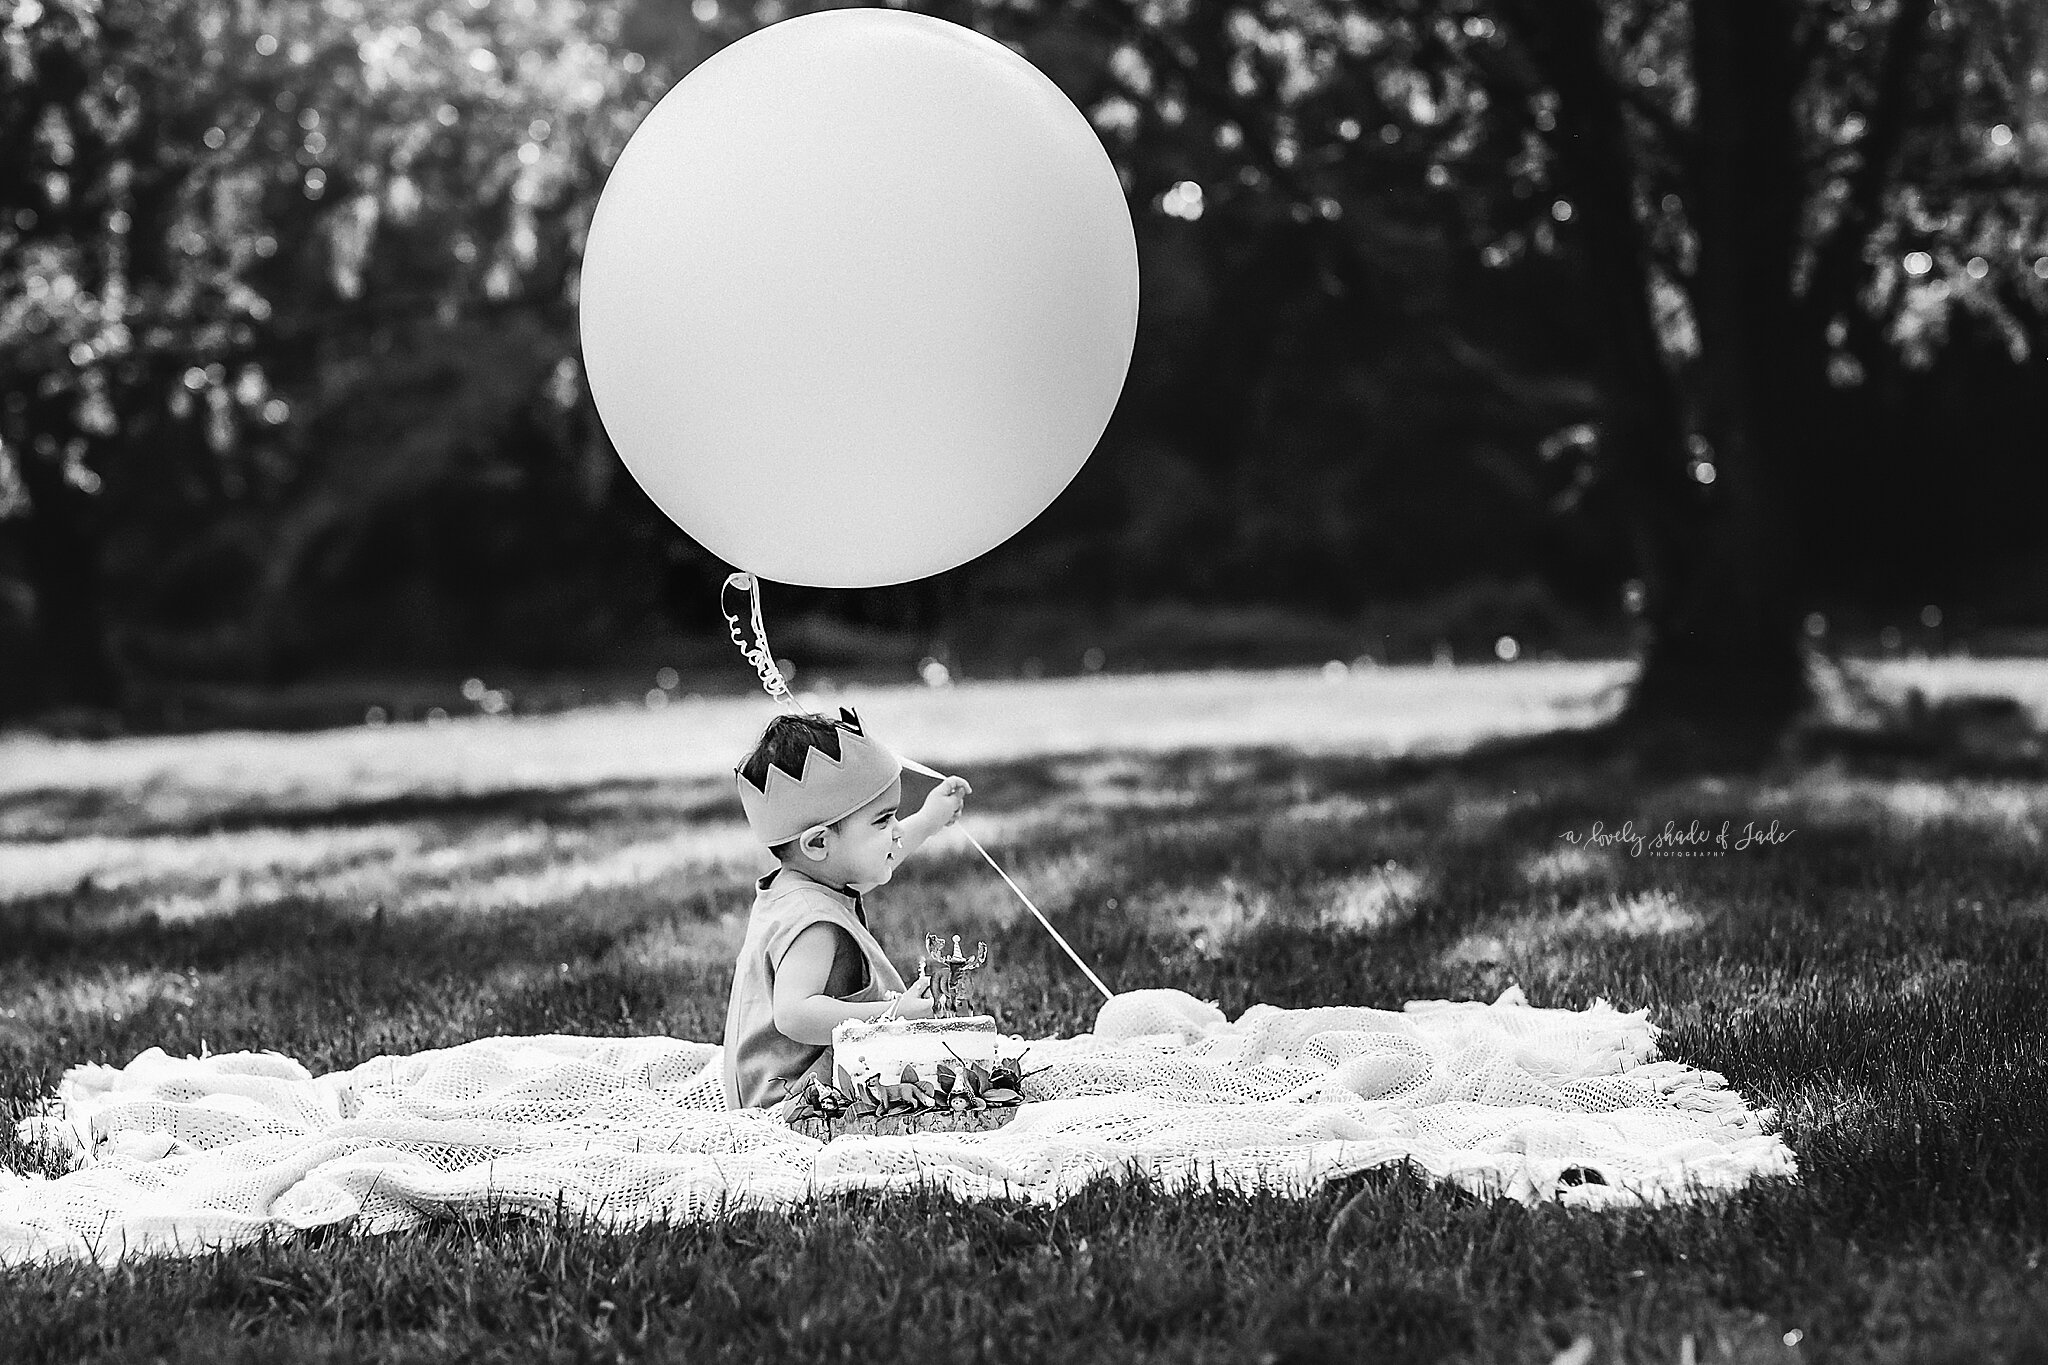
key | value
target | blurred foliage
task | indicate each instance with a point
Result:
(287, 315)
(281, 279)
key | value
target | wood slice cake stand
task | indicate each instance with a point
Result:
(898, 1125)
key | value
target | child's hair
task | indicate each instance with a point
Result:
(785, 744)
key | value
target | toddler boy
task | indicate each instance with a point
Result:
(823, 797)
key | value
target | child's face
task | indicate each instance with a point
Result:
(861, 851)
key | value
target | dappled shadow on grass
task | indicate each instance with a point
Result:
(1906, 964)
(47, 933)
(335, 988)
(45, 814)
(1881, 978)
(165, 810)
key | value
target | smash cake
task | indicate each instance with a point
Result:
(948, 1072)
(958, 1060)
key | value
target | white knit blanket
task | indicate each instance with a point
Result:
(178, 1155)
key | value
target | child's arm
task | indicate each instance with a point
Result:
(804, 1011)
(940, 809)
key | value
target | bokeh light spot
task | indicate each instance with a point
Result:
(1183, 201)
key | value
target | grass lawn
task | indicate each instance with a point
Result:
(1880, 978)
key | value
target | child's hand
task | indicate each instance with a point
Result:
(915, 1003)
(949, 796)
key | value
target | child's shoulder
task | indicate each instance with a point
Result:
(779, 896)
(782, 912)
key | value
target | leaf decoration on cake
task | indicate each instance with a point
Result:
(956, 1086)
(815, 1100)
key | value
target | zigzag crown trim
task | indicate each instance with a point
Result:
(854, 744)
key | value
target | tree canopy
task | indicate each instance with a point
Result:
(1615, 289)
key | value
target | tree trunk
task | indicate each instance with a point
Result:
(1725, 649)
(1722, 672)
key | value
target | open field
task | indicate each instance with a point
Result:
(1880, 977)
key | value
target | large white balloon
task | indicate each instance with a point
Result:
(859, 298)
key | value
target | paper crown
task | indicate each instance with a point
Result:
(827, 791)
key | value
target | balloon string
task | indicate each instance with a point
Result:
(777, 687)
(758, 653)
(1057, 936)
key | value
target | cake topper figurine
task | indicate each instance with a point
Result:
(948, 972)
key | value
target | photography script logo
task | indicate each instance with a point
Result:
(1696, 840)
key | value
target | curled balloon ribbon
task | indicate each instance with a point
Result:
(757, 653)
(763, 661)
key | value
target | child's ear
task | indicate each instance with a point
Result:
(816, 842)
